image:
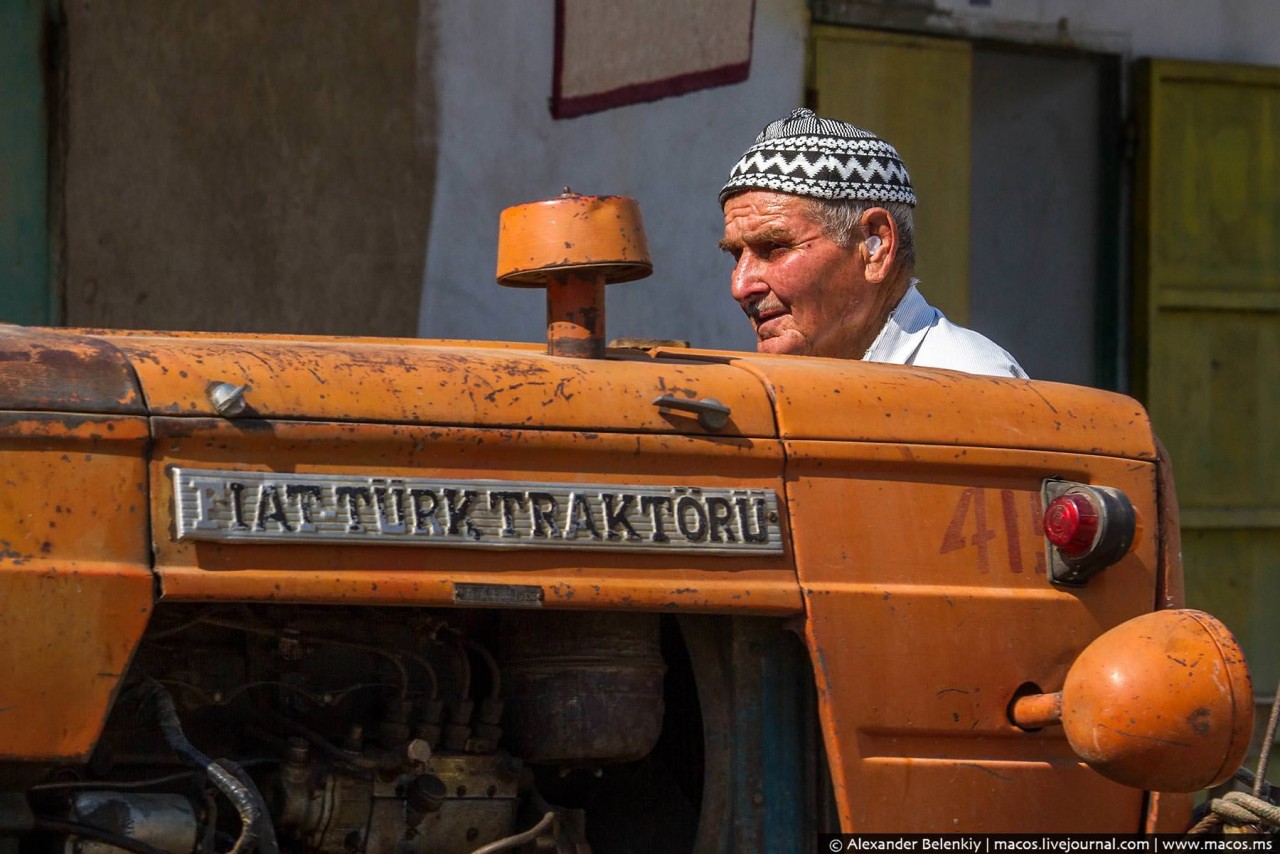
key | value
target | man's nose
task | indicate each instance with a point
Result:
(745, 284)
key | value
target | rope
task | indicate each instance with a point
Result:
(1267, 741)
(1236, 809)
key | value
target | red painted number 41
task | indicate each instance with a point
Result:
(969, 529)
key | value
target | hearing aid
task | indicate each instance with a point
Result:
(873, 243)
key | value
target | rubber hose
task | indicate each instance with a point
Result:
(241, 798)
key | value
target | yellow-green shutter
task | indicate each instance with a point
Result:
(1207, 323)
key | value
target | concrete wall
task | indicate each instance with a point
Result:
(247, 166)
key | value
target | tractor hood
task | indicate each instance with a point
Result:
(521, 386)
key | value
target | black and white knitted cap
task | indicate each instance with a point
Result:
(807, 155)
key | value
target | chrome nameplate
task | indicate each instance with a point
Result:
(270, 507)
(508, 595)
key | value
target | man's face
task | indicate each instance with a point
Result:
(803, 292)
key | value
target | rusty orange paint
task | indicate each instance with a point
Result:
(913, 550)
(600, 234)
(897, 405)
(53, 370)
(575, 315)
(1036, 711)
(1162, 701)
(74, 575)
(928, 611)
(572, 246)
(1169, 812)
(747, 591)
(412, 383)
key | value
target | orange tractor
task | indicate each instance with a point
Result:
(400, 596)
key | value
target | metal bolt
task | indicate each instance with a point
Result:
(228, 399)
(418, 750)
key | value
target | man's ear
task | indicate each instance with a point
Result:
(880, 248)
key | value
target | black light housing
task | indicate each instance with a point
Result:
(1088, 528)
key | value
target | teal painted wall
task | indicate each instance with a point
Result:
(24, 166)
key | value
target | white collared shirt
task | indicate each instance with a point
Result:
(918, 334)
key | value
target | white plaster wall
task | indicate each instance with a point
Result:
(499, 146)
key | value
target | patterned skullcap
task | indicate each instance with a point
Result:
(807, 155)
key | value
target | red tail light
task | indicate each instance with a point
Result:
(1088, 527)
(1071, 523)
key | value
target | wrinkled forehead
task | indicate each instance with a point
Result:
(758, 210)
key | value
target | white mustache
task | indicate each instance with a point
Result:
(755, 309)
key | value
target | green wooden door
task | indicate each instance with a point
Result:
(1207, 312)
(24, 228)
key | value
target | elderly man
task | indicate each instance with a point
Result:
(817, 217)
